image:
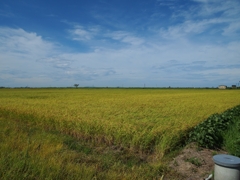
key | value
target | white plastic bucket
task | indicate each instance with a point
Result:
(227, 167)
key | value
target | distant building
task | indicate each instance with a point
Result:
(234, 86)
(222, 87)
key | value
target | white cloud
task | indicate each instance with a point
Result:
(82, 33)
(209, 17)
(125, 37)
(100, 37)
(19, 52)
(212, 7)
(197, 40)
(21, 43)
(185, 29)
(31, 60)
(232, 29)
(57, 61)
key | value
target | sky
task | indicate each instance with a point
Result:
(119, 43)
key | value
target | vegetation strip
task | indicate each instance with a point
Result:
(209, 133)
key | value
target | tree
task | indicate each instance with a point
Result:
(76, 85)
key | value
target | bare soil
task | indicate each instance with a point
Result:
(193, 163)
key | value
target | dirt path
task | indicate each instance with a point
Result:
(193, 163)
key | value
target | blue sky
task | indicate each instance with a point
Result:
(156, 43)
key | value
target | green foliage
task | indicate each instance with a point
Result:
(232, 138)
(209, 133)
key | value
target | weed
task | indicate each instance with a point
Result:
(194, 161)
(232, 138)
(175, 163)
(214, 153)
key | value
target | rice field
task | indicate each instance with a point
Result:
(104, 126)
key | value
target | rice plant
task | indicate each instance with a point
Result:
(99, 133)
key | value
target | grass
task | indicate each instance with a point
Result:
(99, 133)
(232, 138)
(194, 161)
(30, 153)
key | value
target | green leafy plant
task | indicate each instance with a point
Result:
(209, 133)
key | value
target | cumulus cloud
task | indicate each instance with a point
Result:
(19, 52)
(18, 41)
